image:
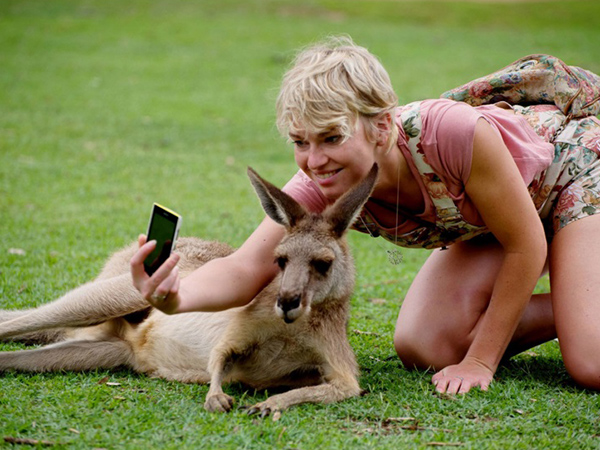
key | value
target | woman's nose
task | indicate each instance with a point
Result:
(316, 157)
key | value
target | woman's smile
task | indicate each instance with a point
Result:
(326, 177)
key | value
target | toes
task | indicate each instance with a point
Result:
(264, 410)
(218, 403)
(253, 410)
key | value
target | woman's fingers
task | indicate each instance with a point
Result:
(138, 273)
(175, 288)
(167, 286)
(161, 289)
(162, 274)
(166, 295)
(447, 385)
(142, 240)
(146, 284)
(460, 379)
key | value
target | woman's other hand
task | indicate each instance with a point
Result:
(462, 377)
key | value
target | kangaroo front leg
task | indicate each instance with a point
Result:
(88, 304)
(69, 355)
(338, 388)
(216, 399)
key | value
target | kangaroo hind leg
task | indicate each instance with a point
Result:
(40, 337)
(76, 355)
(36, 337)
(89, 304)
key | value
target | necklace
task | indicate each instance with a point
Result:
(394, 255)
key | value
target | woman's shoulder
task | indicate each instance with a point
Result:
(438, 107)
(449, 116)
(445, 120)
(447, 138)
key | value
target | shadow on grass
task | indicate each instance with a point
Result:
(542, 368)
(536, 370)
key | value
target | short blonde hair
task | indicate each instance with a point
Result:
(331, 85)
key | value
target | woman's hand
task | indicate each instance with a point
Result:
(460, 378)
(161, 289)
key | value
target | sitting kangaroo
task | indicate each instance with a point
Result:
(292, 334)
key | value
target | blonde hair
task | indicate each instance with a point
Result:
(331, 85)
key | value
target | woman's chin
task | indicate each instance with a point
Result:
(331, 194)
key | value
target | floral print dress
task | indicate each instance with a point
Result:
(570, 188)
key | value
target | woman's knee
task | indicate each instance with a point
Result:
(426, 350)
(584, 369)
(408, 350)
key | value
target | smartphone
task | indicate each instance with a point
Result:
(163, 228)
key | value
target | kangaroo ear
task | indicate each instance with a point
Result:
(279, 206)
(346, 209)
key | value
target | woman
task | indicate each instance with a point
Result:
(451, 176)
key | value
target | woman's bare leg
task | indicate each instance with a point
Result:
(442, 309)
(575, 284)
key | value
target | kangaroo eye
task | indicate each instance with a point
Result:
(281, 262)
(321, 265)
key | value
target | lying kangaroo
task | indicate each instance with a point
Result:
(292, 334)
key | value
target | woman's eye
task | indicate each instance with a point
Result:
(299, 144)
(333, 139)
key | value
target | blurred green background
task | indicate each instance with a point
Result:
(108, 106)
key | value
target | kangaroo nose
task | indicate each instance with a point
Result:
(287, 304)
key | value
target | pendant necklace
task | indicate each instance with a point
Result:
(394, 255)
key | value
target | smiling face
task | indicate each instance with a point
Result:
(336, 104)
(335, 164)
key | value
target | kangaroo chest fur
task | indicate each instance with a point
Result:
(259, 348)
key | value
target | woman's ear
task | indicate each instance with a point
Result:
(383, 125)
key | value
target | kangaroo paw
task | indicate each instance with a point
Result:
(218, 403)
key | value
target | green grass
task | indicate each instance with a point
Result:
(107, 106)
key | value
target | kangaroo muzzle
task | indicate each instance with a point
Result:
(289, 308)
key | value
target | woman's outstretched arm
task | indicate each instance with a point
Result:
(217, 285)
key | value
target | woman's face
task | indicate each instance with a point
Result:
(334, 166)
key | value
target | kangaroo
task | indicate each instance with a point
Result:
(292, 334)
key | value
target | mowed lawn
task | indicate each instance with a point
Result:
(108, 106)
